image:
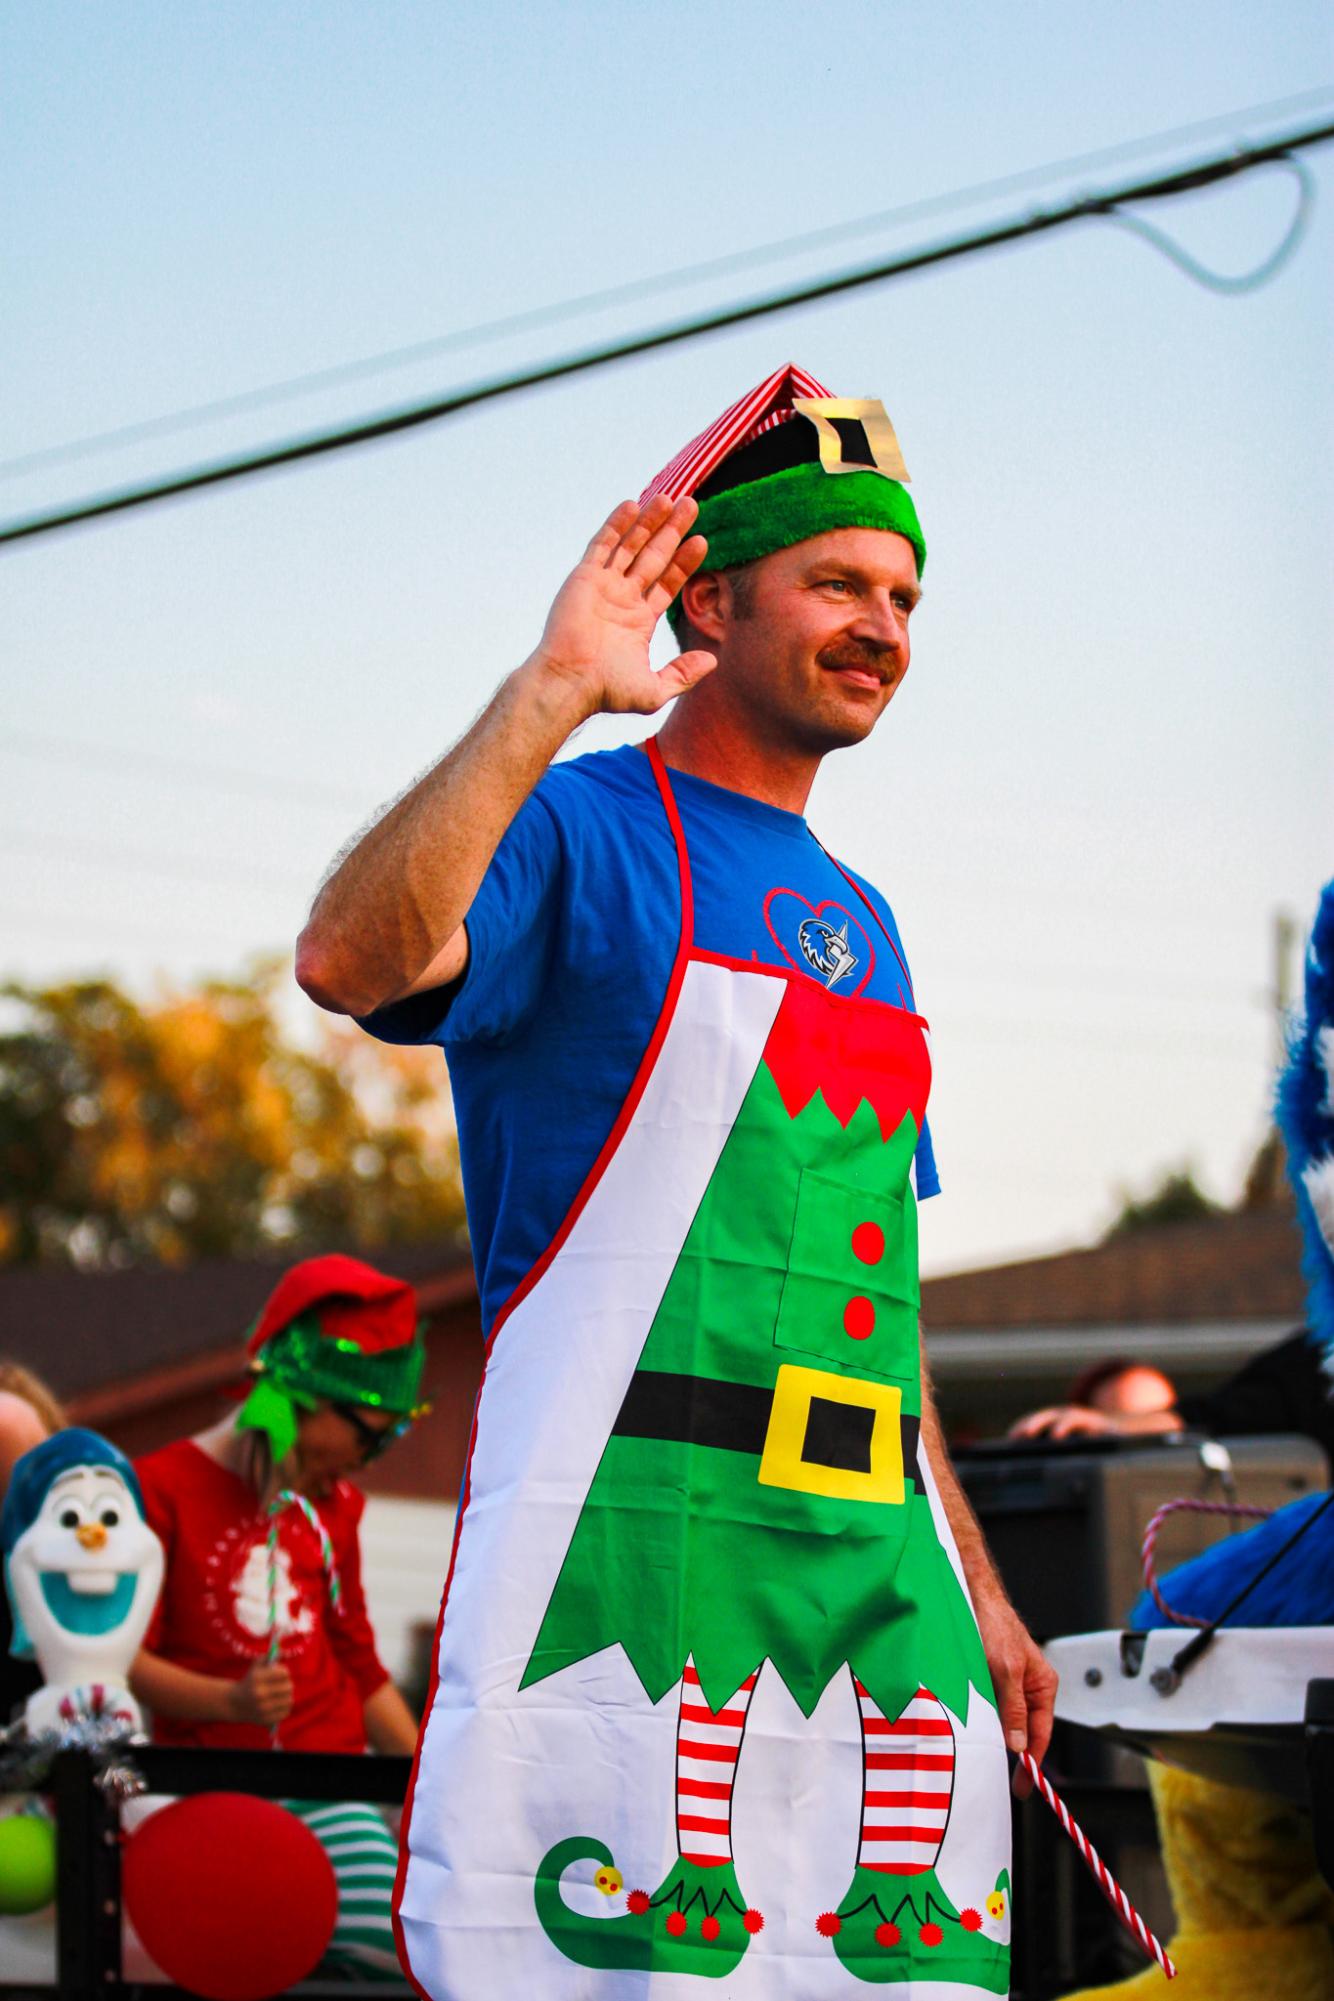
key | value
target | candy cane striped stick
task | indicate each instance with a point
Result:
(290, 1499)
(1101, 1874)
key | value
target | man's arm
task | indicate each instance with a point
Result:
(1025, 1680)
(389, 921)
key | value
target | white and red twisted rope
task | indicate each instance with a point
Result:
(1101, 1874)
(1150, 1543)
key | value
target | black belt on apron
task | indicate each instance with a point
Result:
(696, 1410)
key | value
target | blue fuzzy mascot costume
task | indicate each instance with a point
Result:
(1255, 1922)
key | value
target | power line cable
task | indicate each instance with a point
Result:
(122, 762)
(1221, 281)
(1211, 1044)
(487, 332)
(390, 423)
(228, 779)
(41, 923)
(145, 861)
(213, 869)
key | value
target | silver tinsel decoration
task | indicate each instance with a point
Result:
(25, 1761)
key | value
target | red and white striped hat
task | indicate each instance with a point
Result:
(762, 409)
(760, 479)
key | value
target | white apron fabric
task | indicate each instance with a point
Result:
(502, 1774)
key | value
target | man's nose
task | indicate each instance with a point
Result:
(91, 1535)
(879, 621)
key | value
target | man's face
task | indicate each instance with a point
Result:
(815, 638)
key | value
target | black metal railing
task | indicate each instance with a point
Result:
(88, 1900)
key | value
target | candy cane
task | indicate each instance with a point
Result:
(1149, 1544)
(273, 1584)
(1102, 1875)
(287, 1498)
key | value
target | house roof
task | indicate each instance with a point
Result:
(1239, 1266)
(82, 1331)
(103, 1337)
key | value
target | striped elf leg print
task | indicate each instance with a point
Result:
(364, 1855)
(708, 1744)
(908, 1782)
(697, 1920)
(897, 1923)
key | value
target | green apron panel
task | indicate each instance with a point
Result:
(680, 1549)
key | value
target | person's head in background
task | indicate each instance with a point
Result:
(1126, 1388)
(1118, 1397)
(28, 1414)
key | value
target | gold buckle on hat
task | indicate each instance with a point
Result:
(782, 1463)
(870, 413)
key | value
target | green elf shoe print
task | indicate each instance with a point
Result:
(892, 1928)
(696, 1922)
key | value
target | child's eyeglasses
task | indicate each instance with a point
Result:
(372, 1440)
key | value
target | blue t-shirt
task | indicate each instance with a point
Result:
(572, 937)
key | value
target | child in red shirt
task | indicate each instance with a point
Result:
(336, 1359)
(212, 1620)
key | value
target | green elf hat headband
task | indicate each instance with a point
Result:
(334, 1330)
(787, 462)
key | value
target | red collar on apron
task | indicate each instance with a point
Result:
(849, 1050)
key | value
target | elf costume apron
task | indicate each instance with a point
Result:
(710, 1699)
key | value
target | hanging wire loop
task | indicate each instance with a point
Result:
(1220, 281)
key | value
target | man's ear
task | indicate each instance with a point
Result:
(706, 600)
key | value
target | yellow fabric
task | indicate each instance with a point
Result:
(1255, 1921)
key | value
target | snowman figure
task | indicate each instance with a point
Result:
(83, 1571)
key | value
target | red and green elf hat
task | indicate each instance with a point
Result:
(334, 1330)
(787, 462)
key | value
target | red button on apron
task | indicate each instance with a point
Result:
(868, 1243)
(858, 1318)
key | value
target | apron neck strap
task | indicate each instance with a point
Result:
(659, 769)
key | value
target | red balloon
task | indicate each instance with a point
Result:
(233, 1896)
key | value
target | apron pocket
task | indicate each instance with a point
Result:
(850, 1293)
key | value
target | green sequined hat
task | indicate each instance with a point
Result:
(787, 462)
(334, 1330)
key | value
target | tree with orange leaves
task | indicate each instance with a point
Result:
(194, 1125)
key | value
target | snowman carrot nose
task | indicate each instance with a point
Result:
(91, 1535)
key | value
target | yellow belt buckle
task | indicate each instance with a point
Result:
(782, 1464)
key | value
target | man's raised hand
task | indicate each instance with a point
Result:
(598, 630)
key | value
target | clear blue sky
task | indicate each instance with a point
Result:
(1113, 759)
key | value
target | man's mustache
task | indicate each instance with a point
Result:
(864, 655)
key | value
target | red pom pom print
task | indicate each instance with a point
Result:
(676, 1923)
(887, 1934)
(753, 1921)
(829, 1924)
(638, 1902)
(971, 1920)
(859, 1318)
(931, 1934)
(709, 1928)
(868, 1243)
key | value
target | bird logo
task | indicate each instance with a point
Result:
(825, 950)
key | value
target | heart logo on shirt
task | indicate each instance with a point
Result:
(823, 940)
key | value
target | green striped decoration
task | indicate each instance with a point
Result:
(364, 1855)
